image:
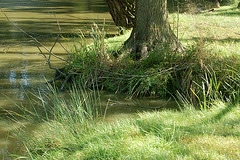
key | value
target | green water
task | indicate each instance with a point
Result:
(22, 66)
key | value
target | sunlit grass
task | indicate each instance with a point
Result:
(189, 134)
(115, 43)
(219, 30)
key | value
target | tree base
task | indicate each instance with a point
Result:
(140, 49)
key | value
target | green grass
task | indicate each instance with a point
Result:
(208, 78)
(219, 30)
(189, 134)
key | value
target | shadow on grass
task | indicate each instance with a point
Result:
(230, 12)
(225, 129)
(225, 40)
(223, 112)
(208, 126)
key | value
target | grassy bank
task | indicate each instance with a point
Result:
(74, 132)
(73, 127)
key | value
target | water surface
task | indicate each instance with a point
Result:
(23, 68)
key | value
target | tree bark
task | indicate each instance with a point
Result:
(152, 29)
(150, 24)
(122, 12)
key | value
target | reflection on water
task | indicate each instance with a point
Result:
(39, 18)
(120, 107)
(22, 67)
(20, 72)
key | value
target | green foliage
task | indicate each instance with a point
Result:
(206, 77)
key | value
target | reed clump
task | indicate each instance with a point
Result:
(201, 74)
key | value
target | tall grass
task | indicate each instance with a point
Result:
(204, 72)
(197, 74)
(208, 78)
(58, 120)
(189, 134)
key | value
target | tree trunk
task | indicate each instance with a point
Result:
(152, 29)
(122, 12)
